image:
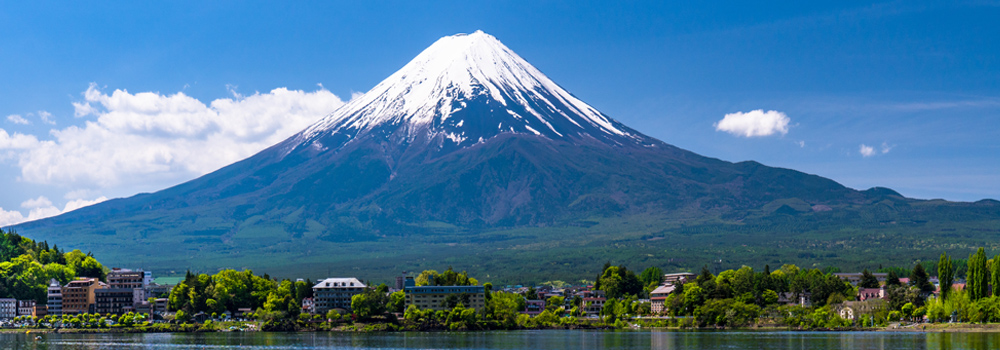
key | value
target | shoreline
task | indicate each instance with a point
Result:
(361, 328)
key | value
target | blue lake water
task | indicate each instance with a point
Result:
(547, 339)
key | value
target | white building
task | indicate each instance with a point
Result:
(336, 293)
(54, 300)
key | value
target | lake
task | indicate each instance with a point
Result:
(546, 339)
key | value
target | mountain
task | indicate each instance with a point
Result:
(469, 151)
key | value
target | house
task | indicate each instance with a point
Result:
(533, 307)
(871, 293)
(593, 301)
(26, 308)
(788, 298)
(336, 293)
(308, 306)
(443, 297)
(658, 296)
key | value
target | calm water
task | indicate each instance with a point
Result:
(510, 340)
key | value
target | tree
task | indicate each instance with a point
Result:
(369, 303)
(868, 280)
(920, 279)
(618, 281)
(651, 275)
(892, 279)
(976, 280)
(995, 275)
(397, 301)
(946, 274)
(531, 294)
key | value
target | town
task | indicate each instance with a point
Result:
(786, 297)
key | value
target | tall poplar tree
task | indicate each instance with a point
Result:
(995, 275)
(946, 275)
(977, 276)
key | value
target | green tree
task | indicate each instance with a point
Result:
(651, 276)
(397, 301)
(892, 279)
(995, 276)
(920, 279)
(977, 280)
(618, 281)
(868, 280)
(369, 303)
(946, 274)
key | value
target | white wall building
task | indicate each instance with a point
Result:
(336, 293)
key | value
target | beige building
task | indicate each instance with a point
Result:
(658, 296)
(78, 296)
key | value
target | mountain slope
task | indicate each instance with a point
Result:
(467, 145)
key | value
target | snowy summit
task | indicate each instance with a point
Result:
(465, 89)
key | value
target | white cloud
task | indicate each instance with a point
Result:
(17, 141)
(17, 119)
(8, 218)
(754, 123)
(866, 151)
(40, 208)
(150, 140)
(886, 147)
(41, 201)
(802, 144)
(46, 117)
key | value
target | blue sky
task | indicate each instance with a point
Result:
(105, 100)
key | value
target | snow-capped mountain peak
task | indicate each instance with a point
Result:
(468, 88)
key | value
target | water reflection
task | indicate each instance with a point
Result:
(556, 340)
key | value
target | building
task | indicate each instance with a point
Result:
(53, 303)
(8, 308)
(308, 306)
(658, 296)
(128, 279)
(871, 293)
(78, 296)
(115, 301)
(26, 308)
(855, 277)
(593, 301)
(534, 307)
(336, 293)
(790, 299)
(676, 278)
(442, 297)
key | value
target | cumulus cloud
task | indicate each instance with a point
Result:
(40, 208)
(755, 123)
(17, 119)
(866, 150)
(152, 139)
(39, 202)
